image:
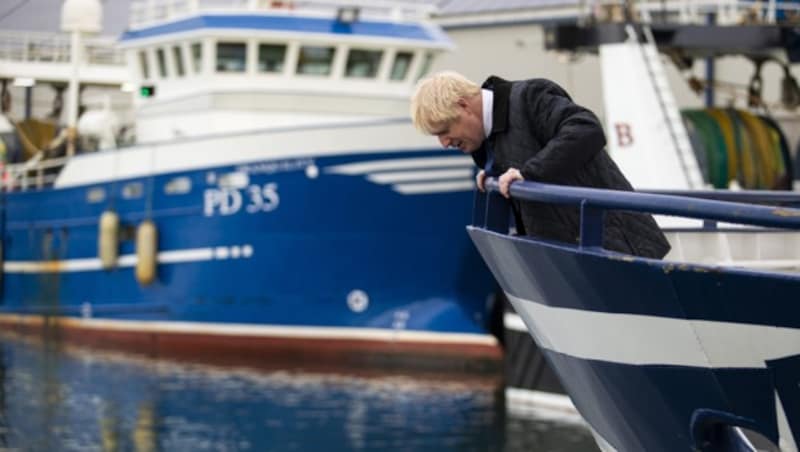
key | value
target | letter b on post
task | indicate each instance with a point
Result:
(624, 134)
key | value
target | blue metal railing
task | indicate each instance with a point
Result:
(494, 212)
(771, 197)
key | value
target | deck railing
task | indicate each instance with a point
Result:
(492, 210)
(43, 47)
(36, 173)
(148, 12)
(725, 12)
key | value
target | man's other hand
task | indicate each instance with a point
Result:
(480, 178)
(507, 179)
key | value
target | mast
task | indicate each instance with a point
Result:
(77, 17)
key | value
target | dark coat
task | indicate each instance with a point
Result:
(537, 129)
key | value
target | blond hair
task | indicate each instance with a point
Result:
(434, 101)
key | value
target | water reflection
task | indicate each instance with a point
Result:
(52, 398)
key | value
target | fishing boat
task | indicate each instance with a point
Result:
(685, 353)
(276, 205)
(743, 140)
(657, 355)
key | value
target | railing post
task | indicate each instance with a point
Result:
(494, 216)
(772, 12)
(591, 234)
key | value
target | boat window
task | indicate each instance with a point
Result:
(315, 60)
(236, 179)
(143, 64)
(132, 190)
(231, 56)
(402, 61)
(426, 65)
(363, 63)
(271, 57)
(95, 195)
(162, 63)
(177, 55)
(178, 186)
(197, 57)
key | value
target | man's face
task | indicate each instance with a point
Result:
(465, 132)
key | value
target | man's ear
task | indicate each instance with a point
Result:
(461, 102)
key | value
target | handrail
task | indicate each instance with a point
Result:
(148, 12)
(769, 197)
(593, 202)
(727, 12)
(49, 47)
(22, 176)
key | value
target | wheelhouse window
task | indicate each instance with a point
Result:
(96, 194)
(132, 190)
(162, 63)
(315, 60)
(363, 63)
(197, 57)
(231, 56)
(400, 66)
(271, 57)
(177, 55)
(426, 65)
(143, 65)
(178, 186)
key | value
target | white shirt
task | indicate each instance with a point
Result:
(487, 96)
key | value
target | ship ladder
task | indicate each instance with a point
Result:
(668, 105)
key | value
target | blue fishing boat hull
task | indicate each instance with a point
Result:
(292, 253)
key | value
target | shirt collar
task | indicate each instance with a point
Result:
(487, 96)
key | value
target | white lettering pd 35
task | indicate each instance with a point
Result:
(228, 201)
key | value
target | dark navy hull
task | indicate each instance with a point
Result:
(658, 356)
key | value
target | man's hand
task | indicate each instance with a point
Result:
(480, 178)
(507, 179)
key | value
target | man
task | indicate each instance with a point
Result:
(531, 130)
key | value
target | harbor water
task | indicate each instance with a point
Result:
(56, 397)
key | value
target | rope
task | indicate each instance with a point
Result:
(740, 146)
(13, 9)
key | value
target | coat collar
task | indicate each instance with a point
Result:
(502, 91)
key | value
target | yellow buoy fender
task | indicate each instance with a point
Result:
(146, 252)
(108, 239)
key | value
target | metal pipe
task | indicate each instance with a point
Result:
(680, 206)
(710, 70)
(72, 95)
(28, 101)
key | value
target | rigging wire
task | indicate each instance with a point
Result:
(13, 9)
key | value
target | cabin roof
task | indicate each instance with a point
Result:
(290, 24)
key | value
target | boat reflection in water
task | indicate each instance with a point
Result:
(62, 398)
